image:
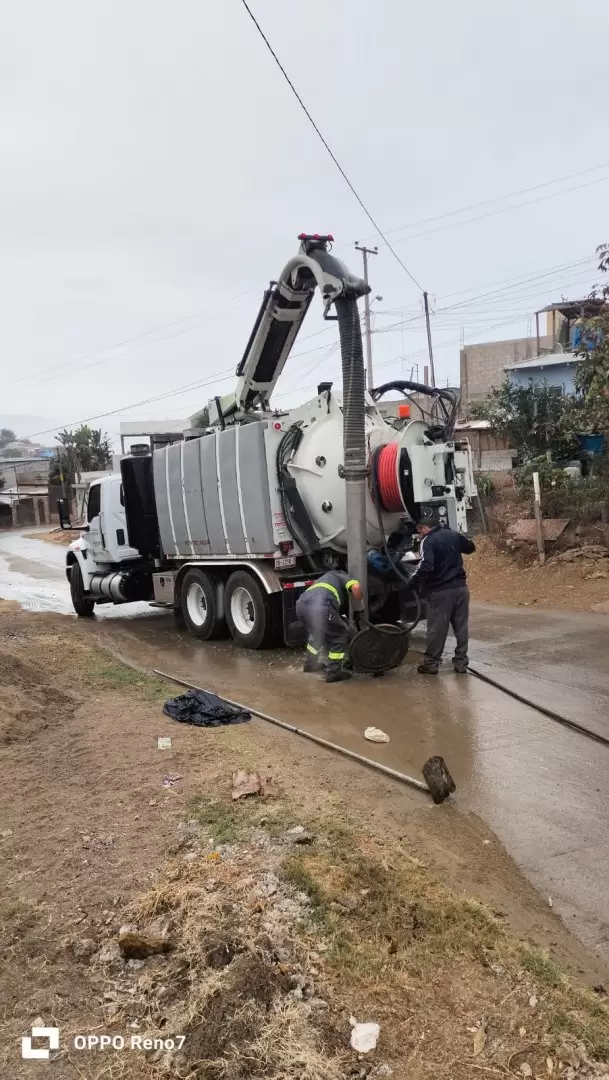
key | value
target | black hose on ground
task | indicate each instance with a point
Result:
(542, 709)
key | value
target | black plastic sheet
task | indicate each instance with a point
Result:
(203, 709)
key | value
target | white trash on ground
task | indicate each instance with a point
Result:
(364, 1037)
(374, 734)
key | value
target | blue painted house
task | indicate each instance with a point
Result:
(557, 369)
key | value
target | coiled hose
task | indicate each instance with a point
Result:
(377, 458)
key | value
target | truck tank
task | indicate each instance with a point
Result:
(219, 495)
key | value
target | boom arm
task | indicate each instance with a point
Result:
(282, 313)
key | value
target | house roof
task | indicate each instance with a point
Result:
(35, 462)
(556, 359)
(570, 308)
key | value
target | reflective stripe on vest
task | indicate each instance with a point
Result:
(325, 585)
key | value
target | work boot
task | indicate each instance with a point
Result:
(424, 669)
(340, 674)
(459, 670)
(313, 665)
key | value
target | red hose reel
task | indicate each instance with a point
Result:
(387, 478)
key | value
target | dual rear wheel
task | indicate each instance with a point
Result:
(239, 608)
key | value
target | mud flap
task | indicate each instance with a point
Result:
(294, 632)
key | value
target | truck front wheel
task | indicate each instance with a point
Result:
(252, 615)
(80, 601)
(199, 606)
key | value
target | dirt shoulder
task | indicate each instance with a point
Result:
(271, 939)
(64, 537)
(499, 577)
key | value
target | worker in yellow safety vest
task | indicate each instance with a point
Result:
(320, 608)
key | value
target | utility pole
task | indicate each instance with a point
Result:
(368, 332)
(429, 345)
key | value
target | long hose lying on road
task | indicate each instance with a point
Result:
(542, 709)
(410, 780)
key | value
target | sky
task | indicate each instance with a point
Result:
(157, 170)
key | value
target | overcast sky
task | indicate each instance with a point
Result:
(156, 170)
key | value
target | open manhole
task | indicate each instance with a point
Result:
(378, 648)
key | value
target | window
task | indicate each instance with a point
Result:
(94, 502)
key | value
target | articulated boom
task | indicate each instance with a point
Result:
(281, 315)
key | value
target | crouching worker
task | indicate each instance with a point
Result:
(320, 608)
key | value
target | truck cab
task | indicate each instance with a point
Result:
(106, 525)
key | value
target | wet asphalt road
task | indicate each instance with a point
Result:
(544, 790)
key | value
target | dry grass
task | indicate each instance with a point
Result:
(264, 928)
(241, 948)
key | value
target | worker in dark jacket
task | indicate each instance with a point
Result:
(320, 608)
(442, 578)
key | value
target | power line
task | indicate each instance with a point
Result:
(493, 294)
(127, 341)
(447, 344)
(327, 146)
(155, 341)
(76, 364)
(184, 389)
(135, 404)
(497, 198)
(504, 284)
(503, 210)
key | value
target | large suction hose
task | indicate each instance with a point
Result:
(354, 435)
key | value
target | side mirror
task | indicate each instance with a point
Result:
(63, 508)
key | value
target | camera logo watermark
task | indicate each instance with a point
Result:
(94, 1043)
(35, 1053)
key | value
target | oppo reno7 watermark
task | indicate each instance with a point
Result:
(131, 1042)
(49, 1036)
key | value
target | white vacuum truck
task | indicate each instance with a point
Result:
(229, 527)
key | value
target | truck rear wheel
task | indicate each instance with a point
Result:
(251, 614)
(80, 601)
(199, 606)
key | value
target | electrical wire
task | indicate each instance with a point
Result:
(219, 375)
(156, 341)
(127, 341)
(549, 271)
(493, 295)
(499, 210)
(497, 198)
(499, 287)
(184, 389)
(327, 146)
